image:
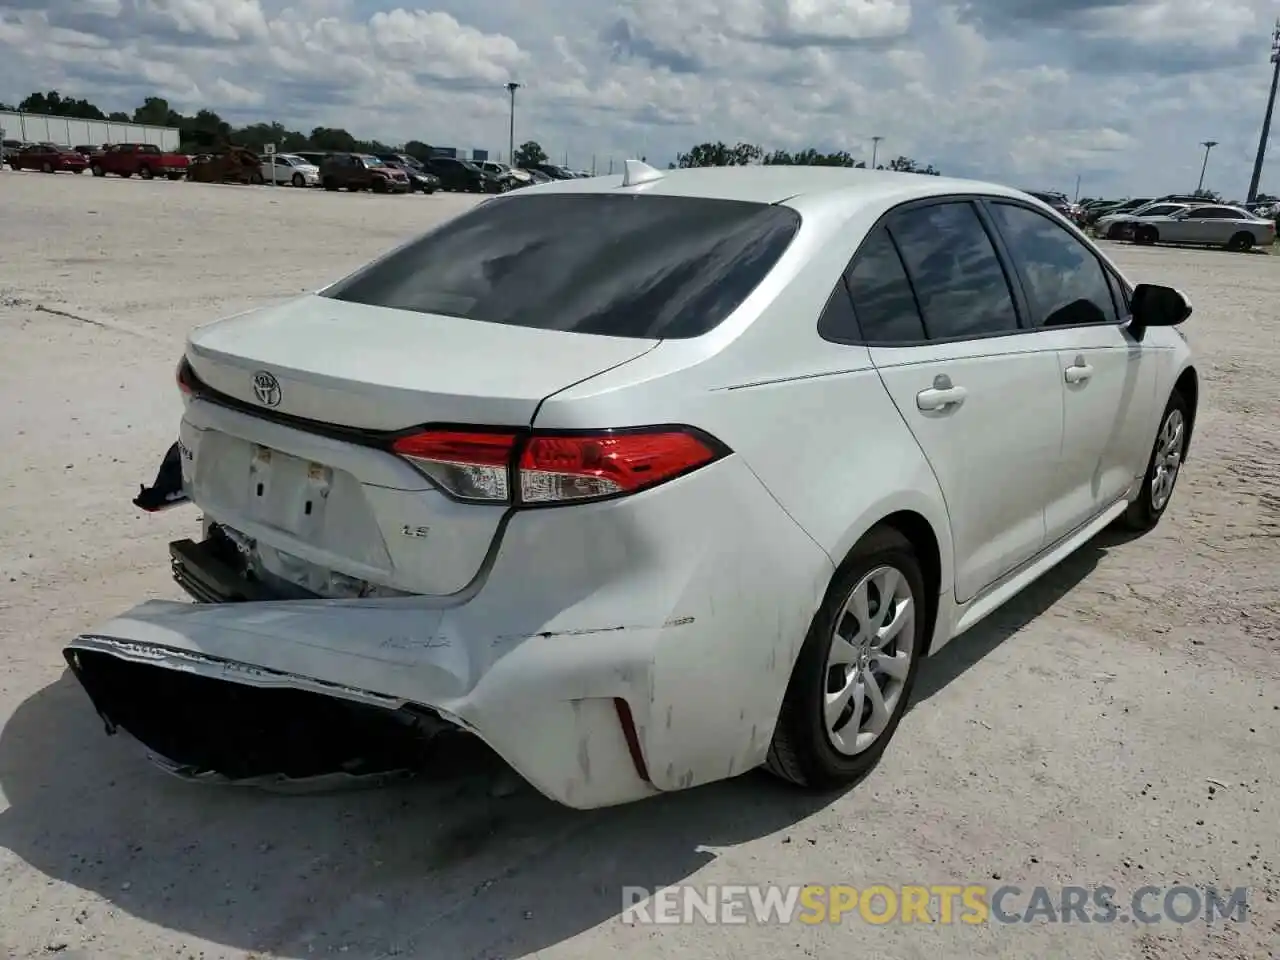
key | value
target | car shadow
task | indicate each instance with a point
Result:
(469, 863)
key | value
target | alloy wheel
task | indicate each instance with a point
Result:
(1168, 459)
(870, 660)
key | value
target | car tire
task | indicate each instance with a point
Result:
(1242, 242)
(807, 749)
(175, 176)
(298, 180)
(1163, 467)
(257, 179)
(46, 167)
(97, 170)
(145, 173)
(1146, 235)
(1115, 232)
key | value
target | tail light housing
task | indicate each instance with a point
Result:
(551, 468)
(186, 378)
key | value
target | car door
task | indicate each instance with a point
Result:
(979, 395)
(1202, 225)
(1108, 378)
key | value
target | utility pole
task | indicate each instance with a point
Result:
(1208, 145)
(875, 148)
(1266, 120)
(512, 87)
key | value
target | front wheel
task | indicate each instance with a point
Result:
(852, 681)
(298, 180)
(1163, 468)
(46, 167)
(256, 178)
(97, 170)
(145, 173)
(1145, 235)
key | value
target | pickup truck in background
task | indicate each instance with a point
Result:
(145, 159)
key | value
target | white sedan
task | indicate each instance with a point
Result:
(646, 508)
(290, 169)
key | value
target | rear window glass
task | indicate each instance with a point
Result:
(654, 267)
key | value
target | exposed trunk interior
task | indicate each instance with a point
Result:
(221, 729)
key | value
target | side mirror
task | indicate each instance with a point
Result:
(1153, 305)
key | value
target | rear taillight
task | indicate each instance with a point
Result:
(185, 377)
(543, 469)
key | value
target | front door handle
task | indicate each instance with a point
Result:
(941, 395)
(1079, 371)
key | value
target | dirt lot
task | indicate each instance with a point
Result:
(1116, 725)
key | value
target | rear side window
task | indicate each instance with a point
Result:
(882, 298)
(652, 267)
(1065, 282)
(957, 277)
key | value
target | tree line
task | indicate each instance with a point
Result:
(206, 130)
(743, 154)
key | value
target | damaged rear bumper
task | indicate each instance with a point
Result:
(608, 655)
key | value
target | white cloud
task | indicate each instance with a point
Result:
(1118, 94)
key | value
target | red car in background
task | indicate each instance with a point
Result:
(49, 157)
(145, 159)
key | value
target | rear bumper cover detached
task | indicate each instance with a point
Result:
(587, 658)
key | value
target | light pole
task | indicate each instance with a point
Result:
(512, 87)
(1208, 145)
(875, 148)
(1266, 117)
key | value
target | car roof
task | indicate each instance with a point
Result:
(776, 184)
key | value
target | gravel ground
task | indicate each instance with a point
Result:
(1117, 724)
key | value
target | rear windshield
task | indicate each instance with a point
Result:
(654, 267)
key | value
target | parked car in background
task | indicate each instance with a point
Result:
(10, 146)
(537, 176)
(291, 169)
(553, 171)
(88, 149)
(48, 158)
(361, 171)
(1124, 206)
(314, 157)
(1119, 226)
(508, 494)
(520, 178)
(145, 159)
(1057, 201)
(420, 180)
(1210, 225)
(465, 176)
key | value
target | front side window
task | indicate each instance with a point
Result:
(623, 266)
(1064, 280)
(957, 277)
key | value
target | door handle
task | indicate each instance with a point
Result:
(1079, 371)
(941, 395)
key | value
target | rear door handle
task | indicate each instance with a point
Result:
(941, 395)
(1079, 371)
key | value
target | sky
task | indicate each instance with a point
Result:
(1032, 93)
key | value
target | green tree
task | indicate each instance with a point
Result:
(419, 150)
(907, 165)
(55, 105)
(720, 154)
(529, 153)
(155, 112)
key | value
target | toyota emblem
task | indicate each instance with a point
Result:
(266, 388)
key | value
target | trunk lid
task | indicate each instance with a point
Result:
(381, 369)
(344, 517)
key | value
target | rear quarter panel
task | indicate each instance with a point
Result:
(810, 418)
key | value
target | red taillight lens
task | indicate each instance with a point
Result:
(559, 469)
(468, 466)
(184, 377)
(479, 466)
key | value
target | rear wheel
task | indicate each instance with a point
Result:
(1145, 234)
(97, 170)
(46, 167)
(1241, 242)
(852, 681)
(145, 173)
(1115, 232)
(256, 178)
(1167, 454)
